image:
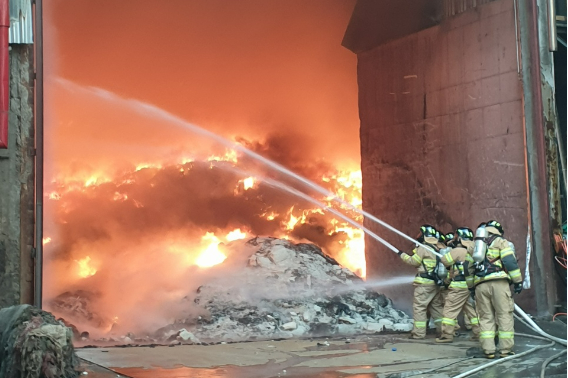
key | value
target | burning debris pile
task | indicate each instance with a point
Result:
(282, 290)
(286, 290)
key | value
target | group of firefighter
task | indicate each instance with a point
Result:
(473, 275)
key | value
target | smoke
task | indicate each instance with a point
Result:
(246, 68)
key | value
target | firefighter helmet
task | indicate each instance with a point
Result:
(428, 234)
(494, 227)
(464, 233)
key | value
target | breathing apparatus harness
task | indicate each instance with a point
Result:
(436, 274)
(487, 266)
(462, 267)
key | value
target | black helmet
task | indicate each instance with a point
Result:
(441, 237)
(427, 231)
(449, 236)
(464, 233)
(496, 225)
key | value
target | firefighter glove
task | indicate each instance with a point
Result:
(518, 287)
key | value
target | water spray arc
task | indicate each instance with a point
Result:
(297, 193)
(149, 109)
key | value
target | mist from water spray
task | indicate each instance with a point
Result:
(383, 283)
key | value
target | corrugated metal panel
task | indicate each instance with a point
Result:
(21, 22)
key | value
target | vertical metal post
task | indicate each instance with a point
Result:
(539, 205)
(552, 43)
(38, 275)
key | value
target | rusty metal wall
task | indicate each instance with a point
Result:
(442, 134)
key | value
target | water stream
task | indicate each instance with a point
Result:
(152, 110)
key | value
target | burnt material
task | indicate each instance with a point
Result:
(34, 345)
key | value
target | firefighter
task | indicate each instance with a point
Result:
(469, 314)
(436, 307)
(458, 261)
(425, 287)
(495, 267)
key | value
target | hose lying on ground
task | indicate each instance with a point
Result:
(482, 367)
(536, 328)
(548, 360)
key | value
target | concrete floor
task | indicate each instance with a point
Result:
(358, 357)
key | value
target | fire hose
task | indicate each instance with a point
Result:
(531, 324)
(482, 367)
(536, 328)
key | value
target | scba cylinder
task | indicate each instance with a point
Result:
(480, 244)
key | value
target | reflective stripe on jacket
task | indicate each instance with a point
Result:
(421, 257)
(501, 254)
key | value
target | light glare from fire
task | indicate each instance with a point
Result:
(236, 234)
(85, 270)
(248, 183)
(211, 255)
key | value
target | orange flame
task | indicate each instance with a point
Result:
(236, 234)
(84, 269)
(211, 255)
(248, 183)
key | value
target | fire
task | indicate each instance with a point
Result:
(46, 240)
(119, 197)
(345, 183)
(229, 156)
(353, 251)
(291, 223)
(84, 269)
(236, 235)
(248, 183)
(211, 255)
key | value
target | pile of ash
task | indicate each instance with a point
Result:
(286, 290)
(274, 289)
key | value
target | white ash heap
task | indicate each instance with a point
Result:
(286, 290)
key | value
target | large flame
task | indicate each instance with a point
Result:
(345, 183)
(211, 254)
(85, 268)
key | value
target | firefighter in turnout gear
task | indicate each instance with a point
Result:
(458, 260)
(437, 305)
(495, 267)
(425, 287)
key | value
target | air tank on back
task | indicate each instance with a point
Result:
(480, 247)
(442, 271)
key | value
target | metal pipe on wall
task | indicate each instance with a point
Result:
(552, 36)
(38, 273)
(4, 72)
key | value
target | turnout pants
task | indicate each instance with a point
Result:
(495, 305)
(470, 313)
(436, 308)
(456, 300)
(423, 296)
